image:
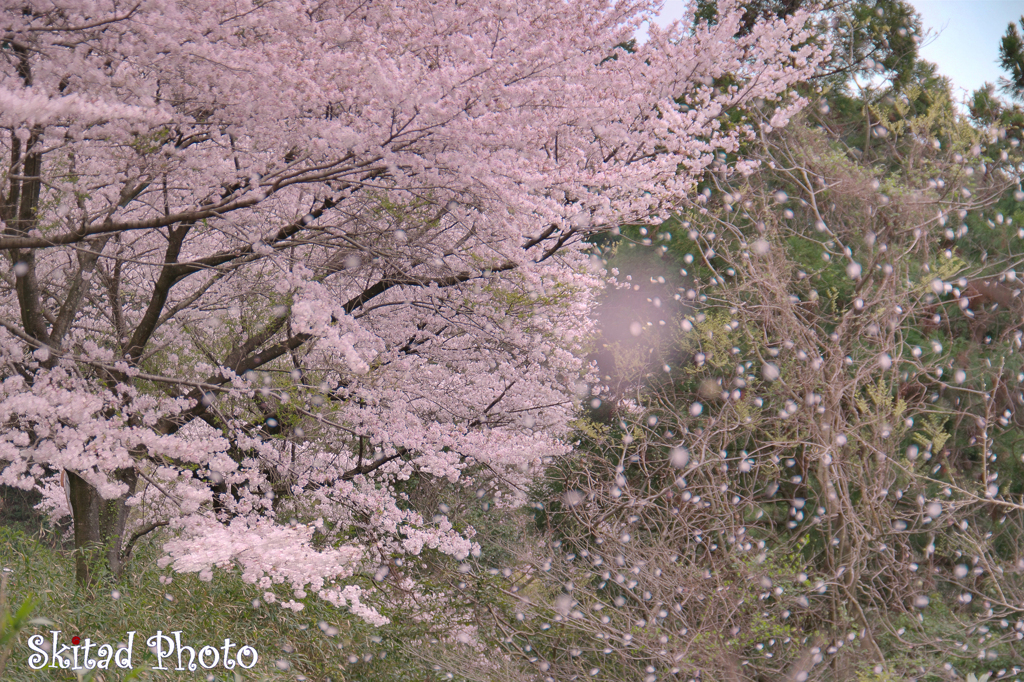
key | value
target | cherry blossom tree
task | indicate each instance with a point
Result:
(272, 263)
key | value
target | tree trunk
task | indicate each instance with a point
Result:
(99, 525)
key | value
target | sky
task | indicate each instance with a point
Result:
(964, 39)
(966, 47)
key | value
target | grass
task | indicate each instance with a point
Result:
(318, 644)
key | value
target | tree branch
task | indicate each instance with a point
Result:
(126, 554)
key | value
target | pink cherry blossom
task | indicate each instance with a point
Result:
(268, 259)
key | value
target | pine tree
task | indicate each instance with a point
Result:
(1011, 59)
